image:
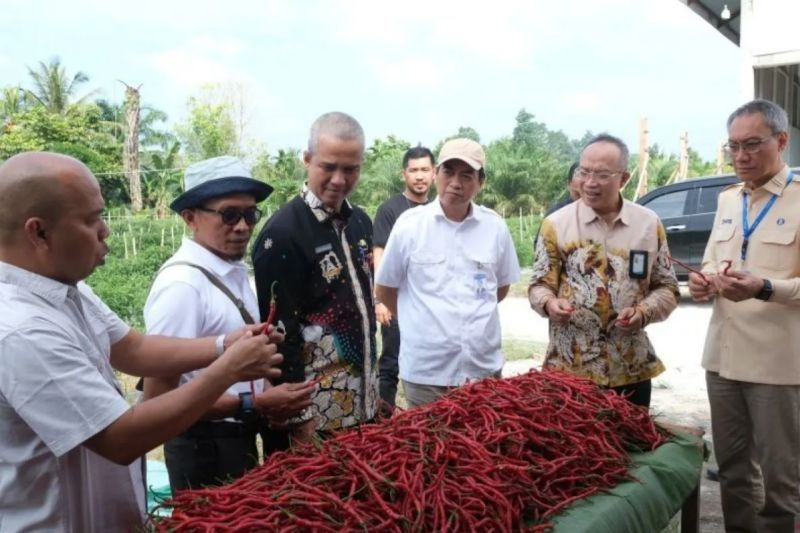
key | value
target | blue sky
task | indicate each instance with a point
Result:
(417, 69)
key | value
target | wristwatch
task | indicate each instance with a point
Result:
(246, 411)
(766, 291)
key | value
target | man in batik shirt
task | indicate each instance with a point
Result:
(601, 274)
(316, 253)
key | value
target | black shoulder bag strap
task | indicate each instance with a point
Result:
(248, 319)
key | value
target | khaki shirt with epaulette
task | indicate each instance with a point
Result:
(753, 340)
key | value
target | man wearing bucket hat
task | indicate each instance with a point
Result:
(445, 268)
(202, 290)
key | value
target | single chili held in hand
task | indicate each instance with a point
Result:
(728, 264)
(273, 308)
(687, 267)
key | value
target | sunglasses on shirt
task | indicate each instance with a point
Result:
(232, 215)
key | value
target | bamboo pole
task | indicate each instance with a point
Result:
(644, 156)
(683, 163)
(720, 158)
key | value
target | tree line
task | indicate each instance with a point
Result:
(51, 110)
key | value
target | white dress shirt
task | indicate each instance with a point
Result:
(184, 303)
(447, 274)
(57, 389)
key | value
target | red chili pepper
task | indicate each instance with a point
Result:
(687, 267)
(727, 266)
(273, 308)
(499, 454)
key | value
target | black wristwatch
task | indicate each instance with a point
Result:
(766, 291)
(246, 411)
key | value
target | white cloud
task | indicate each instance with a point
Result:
(199, 61)
(580, 101)
(505, 32)
(412, 75)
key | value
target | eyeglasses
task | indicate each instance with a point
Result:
(749, 147)
(232, 215)
(601, 175)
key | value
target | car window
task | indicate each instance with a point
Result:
(669, 205)
(707, 202)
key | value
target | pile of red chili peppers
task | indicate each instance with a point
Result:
(496, 455)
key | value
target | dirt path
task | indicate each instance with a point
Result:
(679, 394)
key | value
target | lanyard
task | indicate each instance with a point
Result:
(747, 229)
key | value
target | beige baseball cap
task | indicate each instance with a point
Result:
(466, 150)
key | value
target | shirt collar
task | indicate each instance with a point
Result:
(197, 253)
(322, 211)
(436, 205)
(775, 185)
(47, 288)
(587, 215)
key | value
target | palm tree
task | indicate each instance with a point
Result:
(162, 180)
(113, 121)
(12, 101)
(53, 88)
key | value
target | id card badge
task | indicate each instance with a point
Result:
(637, 264)
(479, 280)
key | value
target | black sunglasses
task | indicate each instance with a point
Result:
(232, 215)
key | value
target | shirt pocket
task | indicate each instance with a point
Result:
(481, 270)
(427, 270)
(774, 250)
(724, 245)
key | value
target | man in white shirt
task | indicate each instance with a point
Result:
(204, 289)
(69, 443)
(445, 268)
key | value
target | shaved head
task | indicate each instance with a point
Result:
(35, 184)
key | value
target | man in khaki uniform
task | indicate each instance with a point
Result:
(752, 350)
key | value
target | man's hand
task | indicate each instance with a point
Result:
(252, 357)
(284, 401)
(737, 286)
(255, 329)
(702, 288)
(382, 314)
(629, 320)
(559, 310)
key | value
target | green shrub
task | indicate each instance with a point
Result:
(523, 235)
(123, 282)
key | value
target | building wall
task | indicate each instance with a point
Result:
(770, 64)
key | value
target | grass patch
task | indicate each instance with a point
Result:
(516, 349)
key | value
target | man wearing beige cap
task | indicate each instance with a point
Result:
(445, 268)
(204, 290)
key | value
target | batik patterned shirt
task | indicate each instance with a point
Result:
(321, 263)
(589, 263)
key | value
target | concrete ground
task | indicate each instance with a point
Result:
(679, 394)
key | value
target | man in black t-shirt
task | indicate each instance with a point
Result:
(418, 169)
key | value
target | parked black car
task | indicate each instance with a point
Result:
(687, 211)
